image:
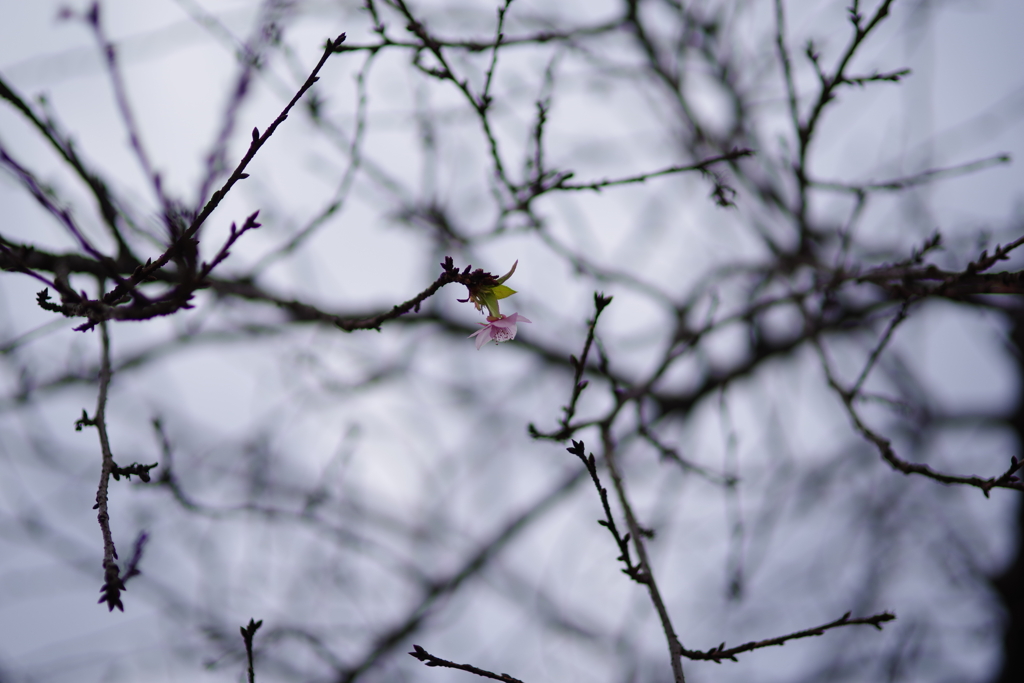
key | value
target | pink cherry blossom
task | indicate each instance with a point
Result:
(499, 330)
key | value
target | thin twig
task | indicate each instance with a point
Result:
(900, 316)
(113, 583)
(787, 63)
(430, 660)
(672, 454)
(906, 279)
(395, 636)
(629, 180)
(447, 73)
(339, 200)
(719, 653)
(132, 568)
(1008, 479)
(538, 38)
(247, 635)
(922, 178)
(233, 234)
(675, 647)
(189, 234)
(633, 571)
(829, 84)
(485, 96)
(250, 55)
(579, 364)
(45, 196)
(93, 19)
(63, 144)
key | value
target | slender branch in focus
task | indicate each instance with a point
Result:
(675, 647)
(633, 571)
(579, 364)
(176, 300)
(430, 660)
(113, 583)
(719, 653)
(247, 635)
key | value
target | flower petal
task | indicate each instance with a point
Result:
(482, 335)
(502, 329)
